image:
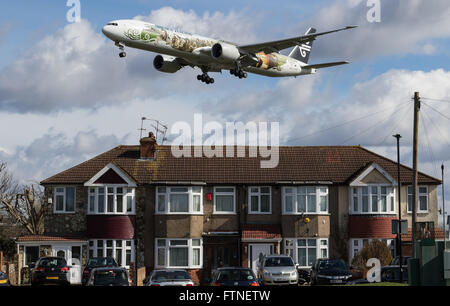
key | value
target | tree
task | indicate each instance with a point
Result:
(375, 249)
(24, 204)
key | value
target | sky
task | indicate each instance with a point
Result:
(66, 96)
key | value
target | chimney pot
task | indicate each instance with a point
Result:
(148, 146)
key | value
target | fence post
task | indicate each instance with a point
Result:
(1, 260)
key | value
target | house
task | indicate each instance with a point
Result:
(143, 205)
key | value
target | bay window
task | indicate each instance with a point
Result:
(224, 200)
(64, 199)
(111, 200)
(372, 199)
(422, 194)
(179, 200)
(260, 200)
(121, 250)
(305, 199)
(179, 253)
(305, 251)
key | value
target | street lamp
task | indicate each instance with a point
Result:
(399, 235)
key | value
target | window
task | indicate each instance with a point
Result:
(305, 199)
(373, 199)
(305, 251)
(357, 244)
(31, 254)
(224, 200)
(422, 196)
(179, 200)
(111, 200)
(260, 200)
(64, 199)
(179, 253)
(121, 250)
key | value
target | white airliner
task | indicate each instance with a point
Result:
(182, 49)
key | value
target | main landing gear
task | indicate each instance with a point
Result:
(205, 78)
(239, 73)
(122, 54)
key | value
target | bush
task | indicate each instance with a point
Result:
(8, 247)
(374, 249)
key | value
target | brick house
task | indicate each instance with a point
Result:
(145, 206)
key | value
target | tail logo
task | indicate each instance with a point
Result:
(305, 48)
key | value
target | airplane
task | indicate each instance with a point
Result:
(180, 49)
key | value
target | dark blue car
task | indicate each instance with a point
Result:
(234, 277)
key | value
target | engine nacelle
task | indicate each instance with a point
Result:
(224, 52)
(166, 63)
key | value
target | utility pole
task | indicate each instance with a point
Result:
(414, 180)
(399, 233)
(443, 207)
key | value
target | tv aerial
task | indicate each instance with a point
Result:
(159, 128)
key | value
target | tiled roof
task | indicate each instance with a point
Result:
(438, 233)
(261, 231)
(31, 238)
(336, 164)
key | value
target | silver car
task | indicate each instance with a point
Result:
(169, 277)
(278, 270)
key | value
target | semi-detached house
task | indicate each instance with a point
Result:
(144, 206)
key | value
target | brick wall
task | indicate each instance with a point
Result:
(371, 226)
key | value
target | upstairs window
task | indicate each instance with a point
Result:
(224, 200)
(422, 194)
(64, 199)
(372, 199)
(179, 200)
(110, 199)
(305, 199)
(260, 200)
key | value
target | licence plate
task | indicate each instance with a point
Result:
(52, 277)
(336, 281)
(2, 281)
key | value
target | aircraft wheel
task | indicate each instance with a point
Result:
(232, 71)
(199, 77)
(211, 81)
(122, 54)
(245, 75)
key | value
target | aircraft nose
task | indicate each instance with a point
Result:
(105, 31)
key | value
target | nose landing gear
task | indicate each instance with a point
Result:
(205, 78)
(122, 54)
(239, 73)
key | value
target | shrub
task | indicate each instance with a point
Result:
(374, 249)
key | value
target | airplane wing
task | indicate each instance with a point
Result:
(324, 65)
(277, 45)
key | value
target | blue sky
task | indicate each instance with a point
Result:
(65, 94)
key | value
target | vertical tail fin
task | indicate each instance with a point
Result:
(301, 52)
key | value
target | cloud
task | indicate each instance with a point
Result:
(54, 152)
(406, 27)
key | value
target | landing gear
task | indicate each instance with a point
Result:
(239, 73)
(122, 54)
(205, 78)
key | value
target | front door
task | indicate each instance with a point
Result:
(72, 254)
(257, 252)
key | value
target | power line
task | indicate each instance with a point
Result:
(345, 123)
(427, 142)
(436, 100)
(395, 126)
(437, 111)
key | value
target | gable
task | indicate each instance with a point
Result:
(374, 177)
(110, 177)
(111, 174)
(373, 174)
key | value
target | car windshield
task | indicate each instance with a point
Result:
(235, 275)
(101, 262)
(161, 276)
(331, 264)
(279, 262)
(110, 277)
(52, 263)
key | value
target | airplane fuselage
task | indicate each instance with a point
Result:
(196, 49)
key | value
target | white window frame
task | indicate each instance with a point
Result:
(216, 193)
(127, 191)
(419, 194)
(294, 194)
(293, 248)
(166, 248)
(390, 196)
(167, 194)
(56, 193)
(114, 247)
(258, 194)
(356, 244)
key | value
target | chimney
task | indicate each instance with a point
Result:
(148, 146)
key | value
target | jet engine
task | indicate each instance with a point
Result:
(166, 63)
(224, 52)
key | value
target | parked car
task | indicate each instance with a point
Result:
(277, 270)
(97, 262)
(109, 276)
(50, 270)
(169, 277)
(330, 271)
(304, 275)
(234, 276)
(4, 281)
(391, 273)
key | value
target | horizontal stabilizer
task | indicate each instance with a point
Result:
(324, 65)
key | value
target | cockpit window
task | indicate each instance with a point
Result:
(113, 24)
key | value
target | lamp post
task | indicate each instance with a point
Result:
(443, 206)
(399, 235)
